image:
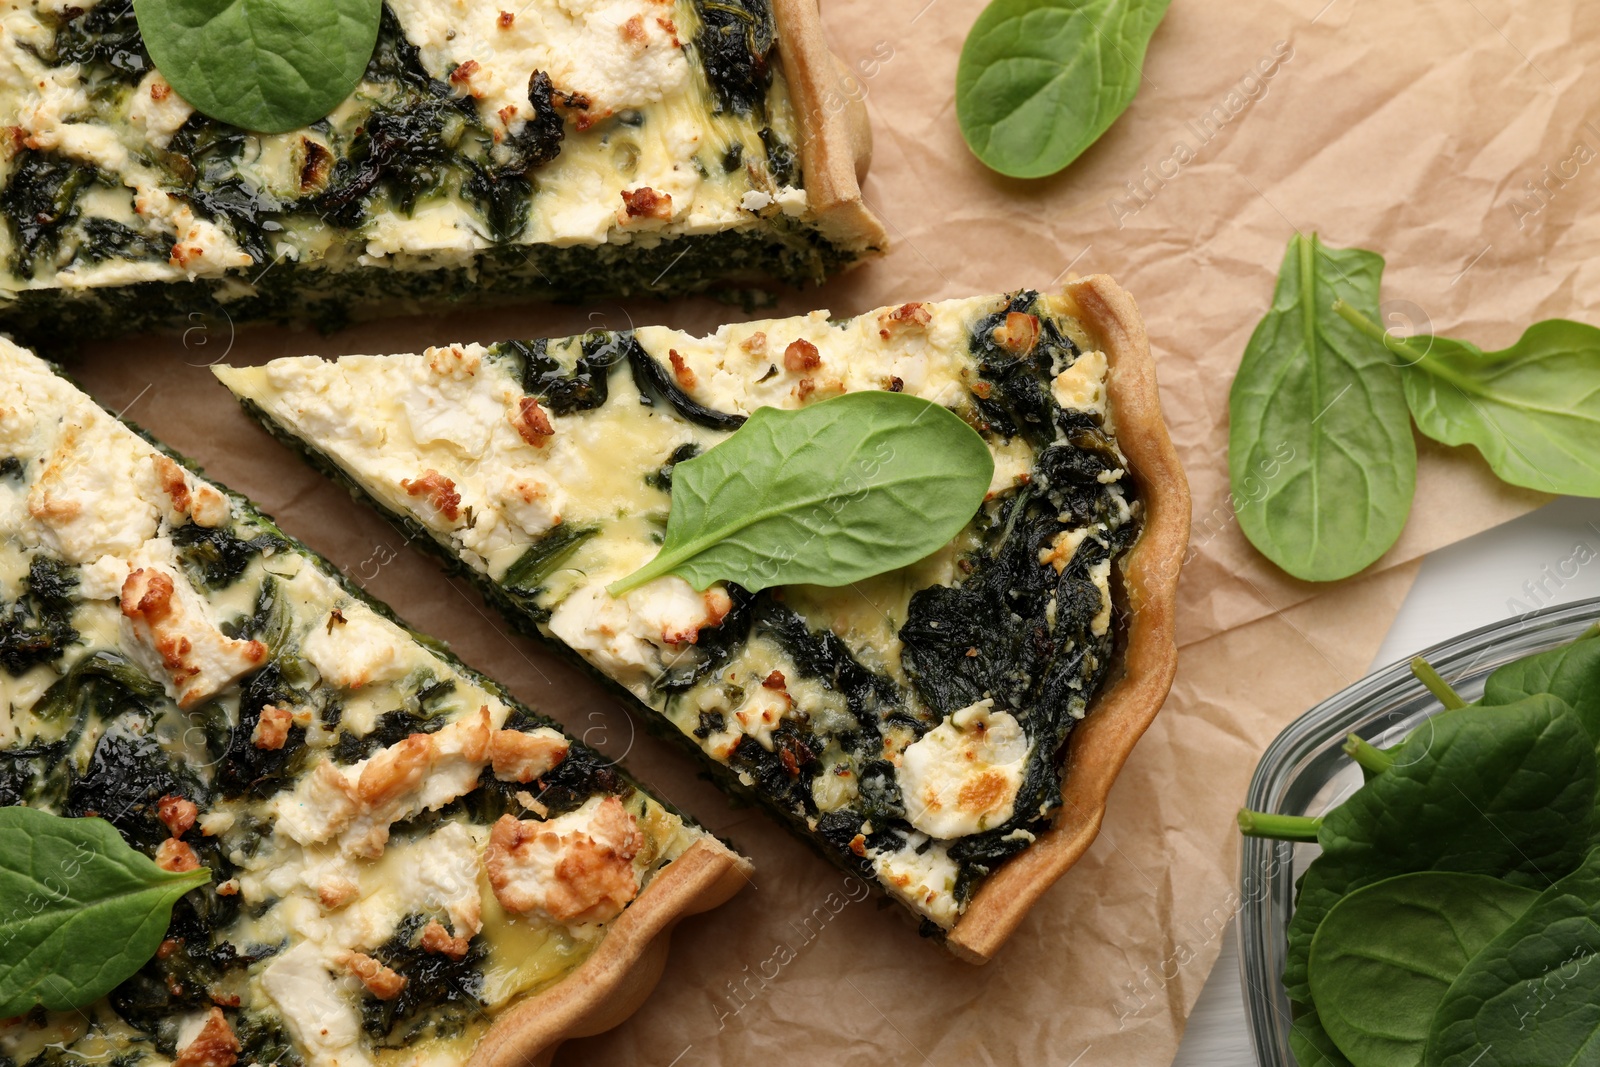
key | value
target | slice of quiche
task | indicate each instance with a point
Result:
(406, 863)
(560, 149)
(912, 725)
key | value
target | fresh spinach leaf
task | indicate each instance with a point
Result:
(1532, 410)
(1384, 957)
(1532, 995)
(81, 911)
(1571, 672)
(1310, 1043)
(1040, 80)
(265, 65)
(827, 495)
(1321, 406)
(1504, 791)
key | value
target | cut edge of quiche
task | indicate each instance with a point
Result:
(541, 524)
(1148, 653)
(188, 590)
(657, 149)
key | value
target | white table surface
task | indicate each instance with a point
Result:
(1549, 557)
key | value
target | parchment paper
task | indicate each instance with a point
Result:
(1411, 129)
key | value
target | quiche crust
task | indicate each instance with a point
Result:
(835, 140)
(621, 973)
(1147, 653)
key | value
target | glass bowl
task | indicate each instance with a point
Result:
(1305, 772)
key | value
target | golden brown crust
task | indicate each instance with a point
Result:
(835, 135)
(617, 977)
(1147, 600)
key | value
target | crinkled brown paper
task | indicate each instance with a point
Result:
(1453, 137)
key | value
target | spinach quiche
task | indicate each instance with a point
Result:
(912, 725)
(407, 865)
(563, 148)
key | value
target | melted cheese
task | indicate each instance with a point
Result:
(1082, 386)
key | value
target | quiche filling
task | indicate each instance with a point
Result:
(398, 850)
(570, 145)
(909, 724)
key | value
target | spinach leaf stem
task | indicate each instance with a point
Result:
(1279, 827)
(1413, 356)
(1424, 672)
(1367, 756)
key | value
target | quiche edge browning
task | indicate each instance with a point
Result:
(173, 661)
(702, 386)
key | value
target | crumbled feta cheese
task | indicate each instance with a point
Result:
(577, 868)
(1100, 575)
(837, 786)
(443, 870)
(93, 497)
(616, 52)
(157, 109)
(523, 755)
(317, 1010)
(213, 823)
(354, 647)
(761, 713)
(330, 875)
(320, 404)
(636, 636)
(924, 878)
(1062, 548)
(320, 805)
(457, 407)
(791, 200)
(962, 776)
(182, 496)
(460, 752)
(359, 803)
(169, 630)
(103, 579)
(532, 504)
(424, 772)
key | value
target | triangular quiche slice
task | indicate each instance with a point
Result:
(913, 726)
(407, 865)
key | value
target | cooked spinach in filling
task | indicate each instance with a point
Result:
(398, 851)
(909, 725)
(568, 150)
